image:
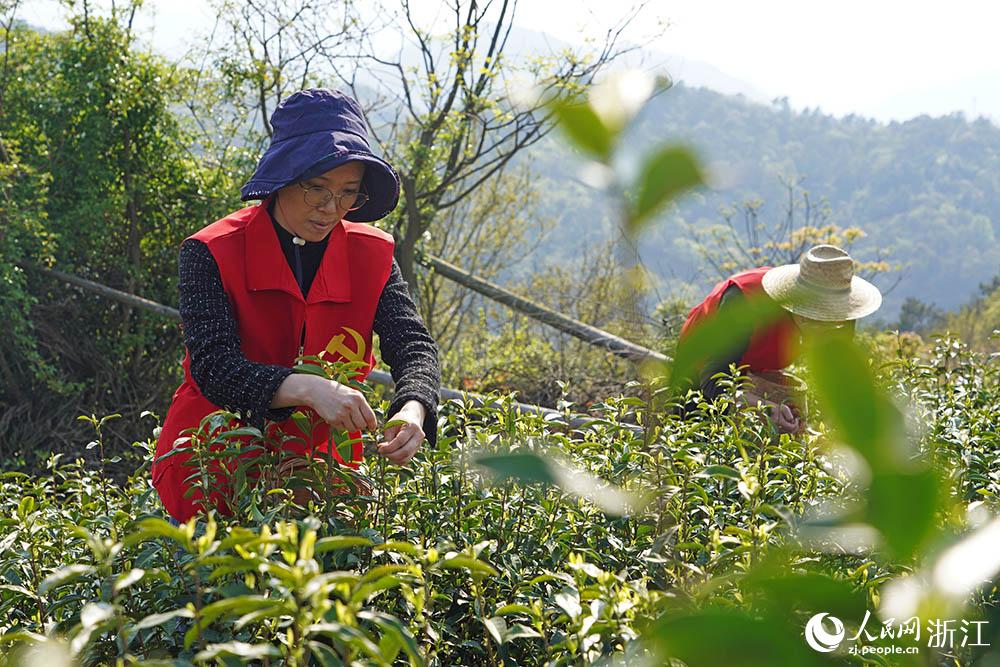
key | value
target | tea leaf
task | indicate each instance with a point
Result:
(65, 575)
(341, 542)
(238, 650)
(497, 628)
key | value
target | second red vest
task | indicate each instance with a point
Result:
(272, 319)
(771, 347)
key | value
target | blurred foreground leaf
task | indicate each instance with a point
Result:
(667, 173)
(714, 336)
(944, 586)
(716, 637)
(902, 506)
(861, 414)
(529, 468)
(903, 495)
(584, 127)
(784, 592)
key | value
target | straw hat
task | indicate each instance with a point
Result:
(822, 286)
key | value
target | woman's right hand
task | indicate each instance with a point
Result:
(337, 404)
(342, 407)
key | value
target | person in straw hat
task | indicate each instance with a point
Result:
(821, 291)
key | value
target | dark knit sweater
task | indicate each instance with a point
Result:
(230, 380)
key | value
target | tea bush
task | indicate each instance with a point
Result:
(455, 560)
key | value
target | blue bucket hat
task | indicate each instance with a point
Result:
(315, 130)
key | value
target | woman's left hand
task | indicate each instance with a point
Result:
(400, 442)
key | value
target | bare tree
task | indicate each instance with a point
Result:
(443, 110)
(256, 54)
(277, 46)
(486, 234)
(747, 239)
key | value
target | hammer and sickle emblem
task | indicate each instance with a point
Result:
(337, 346)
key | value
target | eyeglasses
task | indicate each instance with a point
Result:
(317, 196)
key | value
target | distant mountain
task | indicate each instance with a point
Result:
(927, 191)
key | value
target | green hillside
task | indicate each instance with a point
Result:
(927, 191)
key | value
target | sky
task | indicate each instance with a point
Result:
(887, 59)
(881, 58)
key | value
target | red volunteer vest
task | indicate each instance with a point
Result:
(771, 347)
(272, 317)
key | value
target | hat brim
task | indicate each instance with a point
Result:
(281, 166)
(782, 284)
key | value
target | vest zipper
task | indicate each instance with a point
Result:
(296, 244)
